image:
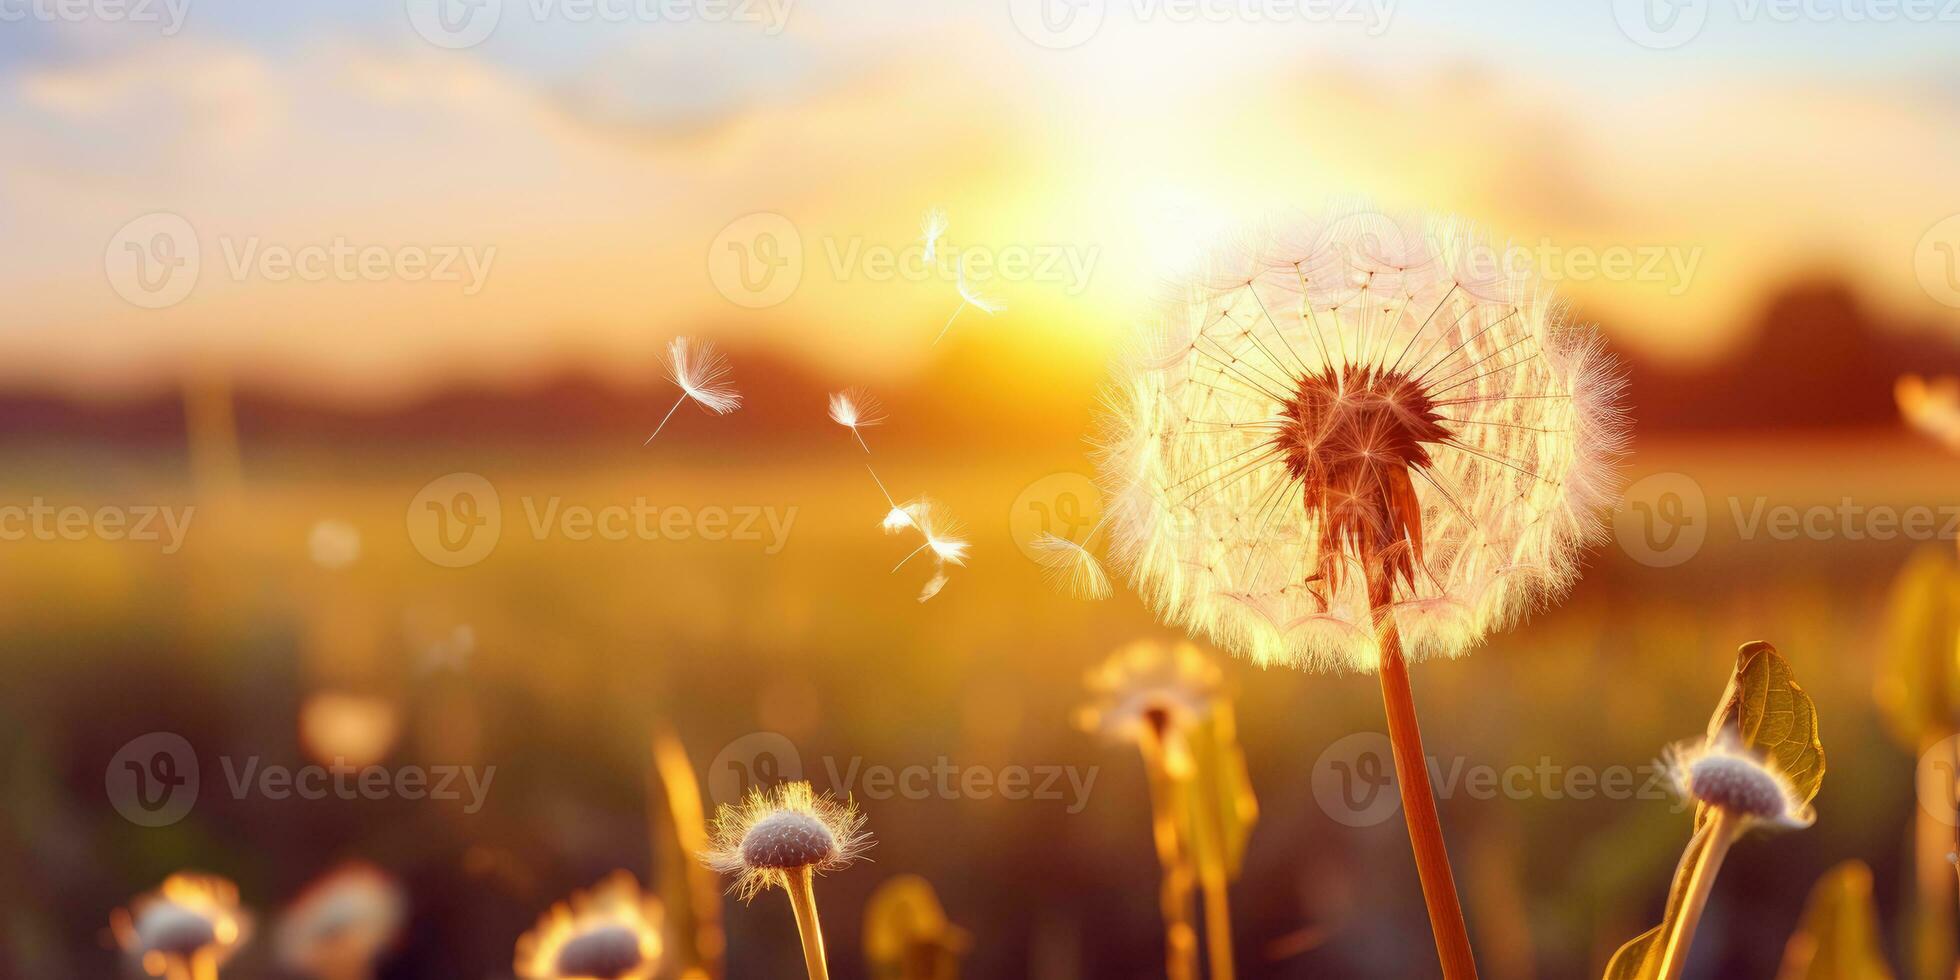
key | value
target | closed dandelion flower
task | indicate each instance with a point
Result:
(1720, 773)
(341, 925)
(784, 837)
(1354, 443)
(185, 930)
(611, 932)
(702, 372)
(854, 409)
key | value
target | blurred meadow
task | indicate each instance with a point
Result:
(1793, 189)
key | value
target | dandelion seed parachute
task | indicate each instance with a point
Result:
(703, 374)
(1356, 385)
(933, 226)
(1071, 567)
(855, 409)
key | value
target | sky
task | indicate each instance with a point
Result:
(363, 200)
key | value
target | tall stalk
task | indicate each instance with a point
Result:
(1412, 775)
(1722, 831)
(803, 899)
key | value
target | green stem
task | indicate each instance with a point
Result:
(1722, 832)
(804, 900)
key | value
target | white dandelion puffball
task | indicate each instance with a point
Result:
(1356, 413)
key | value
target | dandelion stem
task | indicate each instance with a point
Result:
(1722, 832)
(664, 418)
(804, 901)
(949, 324)
(1218, 913)
(1174, 894)
(1412, 775)
(860, 438)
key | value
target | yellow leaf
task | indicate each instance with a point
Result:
(1635, 960)
(1838, 938)
(906, 935)
(1918, 684)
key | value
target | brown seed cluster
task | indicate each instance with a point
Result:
(1357, 437)
(787, 840)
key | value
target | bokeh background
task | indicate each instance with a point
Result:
(1758, 209)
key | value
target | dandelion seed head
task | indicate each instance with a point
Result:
(783, 830)
(611, 932)
(1357, 389)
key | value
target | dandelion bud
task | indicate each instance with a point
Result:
(787, 840)
(1736, 785)
(606, 953)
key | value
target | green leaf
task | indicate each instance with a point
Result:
(1918, 684)
(1838, 938)
(1772, 716)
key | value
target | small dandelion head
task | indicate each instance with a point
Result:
(782, 831)
(189, 915)
(1721, 774)
(1152, 692)
(611, 932)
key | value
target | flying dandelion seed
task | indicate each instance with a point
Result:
(932, 586)
(185, 930)
(1355, 443)
(342, 923)
(703, 375)
(897, 518)
(969, 296)
(930, 229)
(783, 838)
(940, 530)
(854, 409)
(611, 932)
(1071, 567)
